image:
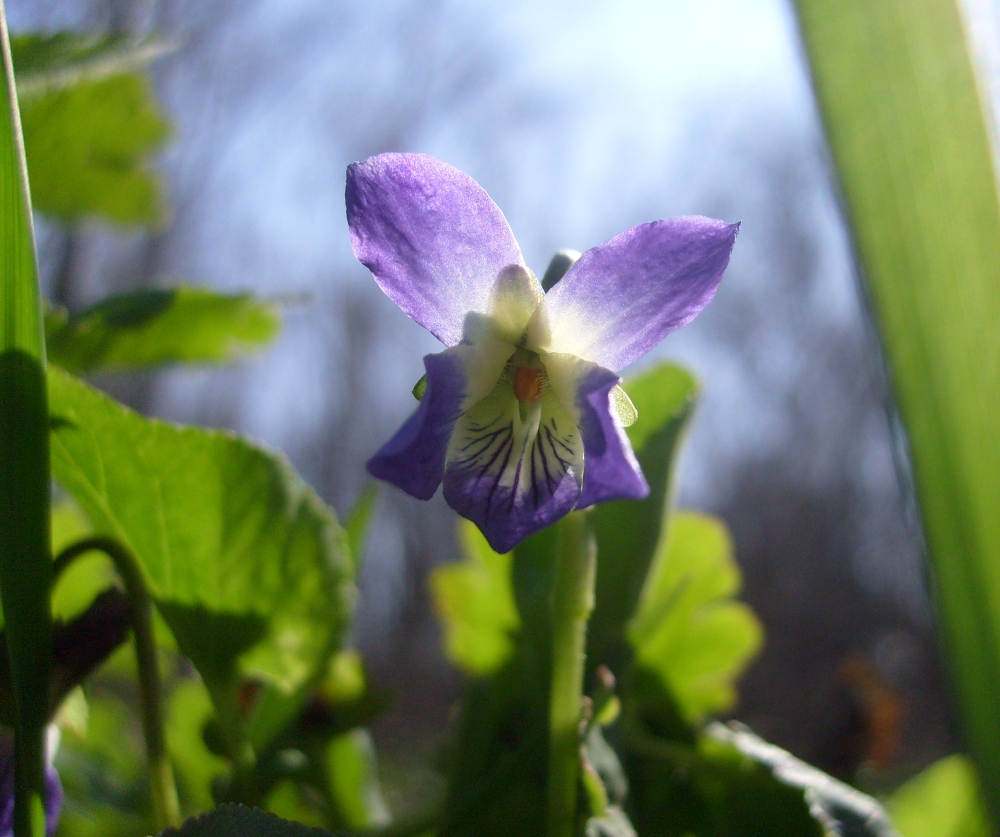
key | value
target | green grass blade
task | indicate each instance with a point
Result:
(898, 95)
(25, 563)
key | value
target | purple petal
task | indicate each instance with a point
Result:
(431, 236)
(610, 469)
(623, 297)
(512, 476)
(413, 459)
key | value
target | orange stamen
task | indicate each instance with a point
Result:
(528, 384)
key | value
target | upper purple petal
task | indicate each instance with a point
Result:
(610, 469)
(623, 297)
(431, 236)
(413, 459)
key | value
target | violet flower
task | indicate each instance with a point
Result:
(518, 418)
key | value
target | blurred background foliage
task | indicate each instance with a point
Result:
(209, 143)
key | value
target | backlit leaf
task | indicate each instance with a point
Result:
(246, 564)
(161, 326)
(942, 801)
(688, 629)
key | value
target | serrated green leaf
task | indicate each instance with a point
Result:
(711, 788)
(943, 801)
(687, 628)
(89, 147)
(154, 327)
(628, 531)
(903, 112)
(246, 564)
(838, 807)
(240, 821)
(475, 602)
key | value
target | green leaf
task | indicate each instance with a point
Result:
(25, 563)
(248, 567)
(840, 808)
(476, 605)
(688, 629)
(240, 821)
(943, 801)
(154, 327)
(711, 788)
(903, 114)
(357, 521)
(628, 531)
(43, 63)
(189, 709)
(353, 781)
(90, 130)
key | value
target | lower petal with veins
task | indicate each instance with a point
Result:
(514, 468)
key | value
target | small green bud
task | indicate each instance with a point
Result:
(420, 387)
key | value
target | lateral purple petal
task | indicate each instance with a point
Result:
(413, 459)
(623, 297)
(431, 236)
(610, 469)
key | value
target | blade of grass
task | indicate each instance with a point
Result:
(899, 98)
(25, 562)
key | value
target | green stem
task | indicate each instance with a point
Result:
(572, 603)
(161, 774)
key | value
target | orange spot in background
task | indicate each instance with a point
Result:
(528, 384)
(881, 705)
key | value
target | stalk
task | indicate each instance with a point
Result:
(161, 775)
(572, 604)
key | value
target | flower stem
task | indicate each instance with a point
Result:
(572, 603)
(161, 775)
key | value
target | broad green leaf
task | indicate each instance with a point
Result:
(688, 629)
(154, 327)
(627, 531)
(246, 564)
(44, 63)
(89, 574)
(25, 563)
(900, 102)
(89, 146)
(476, 605)
(240, 821)
(943, 801)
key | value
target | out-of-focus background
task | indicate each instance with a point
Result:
(580, 119)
